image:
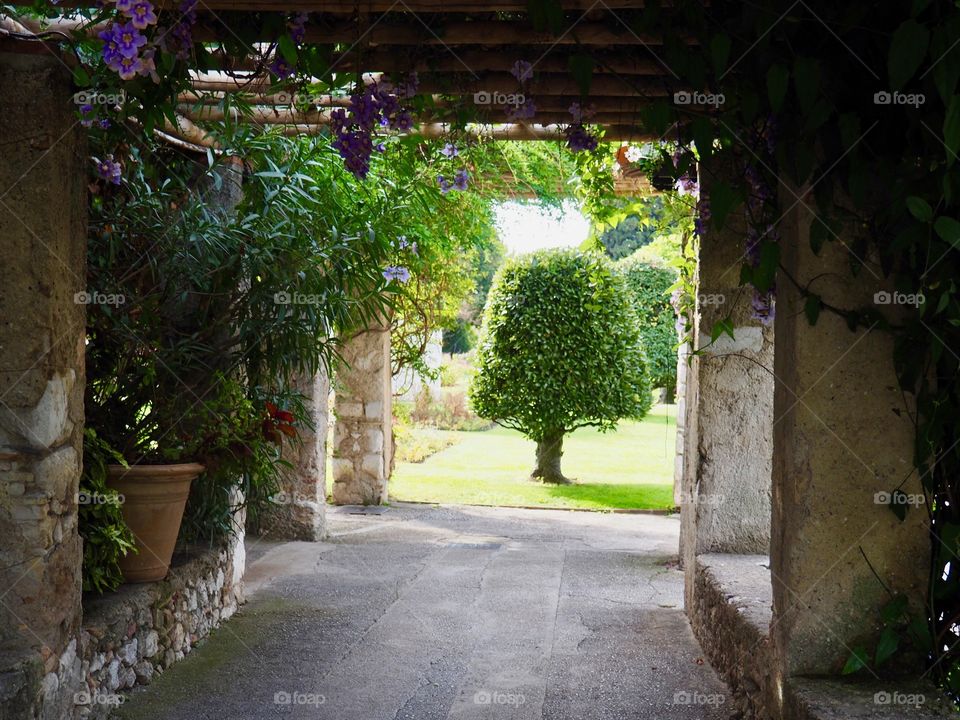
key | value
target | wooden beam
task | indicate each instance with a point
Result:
(437, 103)
(495, 86)
(335, 7)
(487, 33)
(544, 84)
(442, 60)
(270, 115)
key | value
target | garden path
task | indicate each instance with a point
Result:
(454, 612)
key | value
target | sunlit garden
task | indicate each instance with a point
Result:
(343, 303)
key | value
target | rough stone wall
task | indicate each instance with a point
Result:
(728, 437)
(678, 459)
(843, 435)
(300, 510)
(130, 636)
(731, 618)
(42, 319)
(362, 440)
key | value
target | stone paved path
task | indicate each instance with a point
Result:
(459, 613)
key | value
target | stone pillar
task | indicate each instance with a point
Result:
(362, 439)
(42, 326)
(300, 513)
(729, 407)
(683, 356)
(843, 434)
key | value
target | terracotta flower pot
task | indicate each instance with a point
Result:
(153, 500)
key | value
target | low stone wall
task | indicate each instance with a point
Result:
(129, 636)
(730, 618)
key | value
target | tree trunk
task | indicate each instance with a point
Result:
(668, 395)
(549, 451)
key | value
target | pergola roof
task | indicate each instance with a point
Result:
(460, 49)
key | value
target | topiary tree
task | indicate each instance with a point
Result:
(649, 286)
(560, 349)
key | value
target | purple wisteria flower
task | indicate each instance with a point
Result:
(763, 306)
(109, 169)
(142, 15)
(128, 67)
(129, 39)
(87, 115)
(460, 179)
(579, 139)
(522, 70)
(526, 111)
(580, 114)
(450, 150)
(281, 68)
(376, 105)
(297, 27)
(403, 121)
(702, 218)
(687, 185)
(396, 272)
(355, 148)
(408, 88)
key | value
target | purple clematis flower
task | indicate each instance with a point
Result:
(128, 67)
(109, 169)
(281, 68)
(396, 272)
(297, 27)
(142, 15)
(129, 39)
(522, 70)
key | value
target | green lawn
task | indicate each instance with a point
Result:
(629, 468)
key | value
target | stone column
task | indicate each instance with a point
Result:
(362, 439)
(42, 326)
(843, 434)
(300, 513)
(729, 407)
(681, 419)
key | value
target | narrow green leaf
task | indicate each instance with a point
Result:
(951, 129)
(856, 661)
(920, 208)
(581, 68)
(886, 646)
(80, 76)
(806, 80)
(907, 50)
(778, 78)
(720, 52)
(288, 49)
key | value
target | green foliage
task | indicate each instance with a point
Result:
(650, 286)
(221, 309)
(460, 339)
(106, 537)
(560, 347)
(636, 230)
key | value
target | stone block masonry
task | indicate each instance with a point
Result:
(363, 439)
(42, 326)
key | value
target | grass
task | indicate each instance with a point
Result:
(631, 468)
